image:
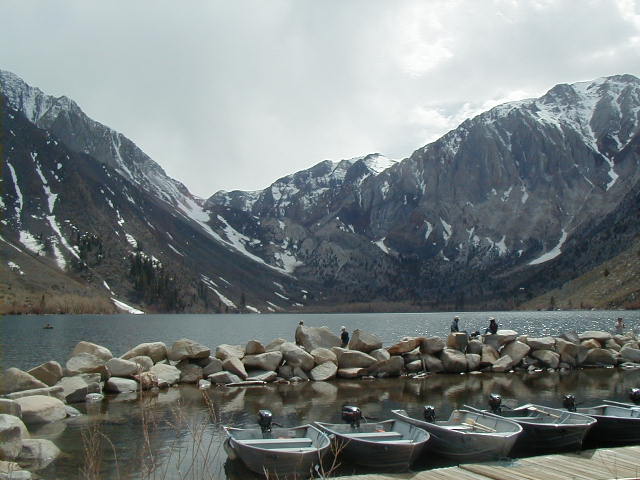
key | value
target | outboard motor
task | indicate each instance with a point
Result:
(429, 413)
(265, 419)
(495, 403)
(351, 415)
(569, 402)
(634, 395)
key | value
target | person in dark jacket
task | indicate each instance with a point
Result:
(493, 326)
(344, 336)
(454, 324)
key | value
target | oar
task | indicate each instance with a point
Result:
(543, 412)
(472, 423)
(621, 404)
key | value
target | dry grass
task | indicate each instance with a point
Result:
(23, 304)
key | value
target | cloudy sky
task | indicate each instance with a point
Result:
(235, 94)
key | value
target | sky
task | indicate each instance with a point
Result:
(232, 95)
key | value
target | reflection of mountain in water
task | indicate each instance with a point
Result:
(186, 437)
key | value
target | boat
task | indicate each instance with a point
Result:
(544, 429)
(616, 422)
(466, 436)
(278, 452)
(48, 326)
(389, 444)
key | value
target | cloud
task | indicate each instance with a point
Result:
(233, 95)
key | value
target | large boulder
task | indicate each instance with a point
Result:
(322, 355)
(547, 358)
(118, 367)
(564, 347)
(10, 407)
(630, 354)
(85, 362)
(15, 380)
(599, 357)
(225, 351)
(121, 385)
(474, 346)
(431, 345)
(388, 368)
(189, 372)
(254, 347)
(186, 348)
(103, 353)
(364, 341)
(356, 359)
(504, 336)
(502, 364)
(49, 372)
(11, 429)
(324, 371)
(433, 363)
(285, 371)
(458, 341)
(76, 388)
(224, 378)
(571, 337)
(167, 374)
(214, 366)
(261, 376)
(411, 356)
(473, 361)
(55, 392)
(489, 356)
(516, 350)
(157, 351)
(274, 346)
(297, 357)
(269, 361)
(41, 409)
(612, 345)
(413, 367)
(144, 363)
(314, 337)
(454, 361)
(591, 343)
(404, 346)
(541, 343)
(36, 454)
(351, 372)
(234, 365)
(598, 335)
(380, 354)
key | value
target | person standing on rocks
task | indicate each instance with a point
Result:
(619, 326)
(298, 334)
(344, 336)
(454, 324)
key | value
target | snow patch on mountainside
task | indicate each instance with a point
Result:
(553, 253)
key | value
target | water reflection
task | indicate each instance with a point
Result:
(177, 433)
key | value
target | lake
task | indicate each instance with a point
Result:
(177, 433)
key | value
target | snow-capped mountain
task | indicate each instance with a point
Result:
(472, 217)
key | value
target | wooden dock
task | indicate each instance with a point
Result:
(621, 463)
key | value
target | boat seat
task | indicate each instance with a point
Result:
(377, 436)
(458, 427)
(299, 442)
(292, 449)
(404, 440)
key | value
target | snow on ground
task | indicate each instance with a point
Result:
(429, 230)
(175, 250)
(525, 194)
(553, 253)
(276, 307)
(10, 244)
(378, 163)
(132, 241)
(30, 242)
(106, 285)
(19, 201)
(446, 233)
(380, 244)
(15, 268)
(252, 309)
(281, 296)
(125, 307)
(224, 299)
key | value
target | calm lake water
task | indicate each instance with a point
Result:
(177, 433)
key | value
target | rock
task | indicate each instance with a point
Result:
(474, 346)
(254, 347)
(98, 351)
(630, 354)
(541, 343)
(300, 373)
(275, 345)
(388, 368)
(502, 364)
(166, 373)
(414, 367)
(41, 409)
(10, 407)
(36, 454)
(147, 380)
(473, 361)
(261, 376)
(324, 371)
(611, 344)
(189, 372)
(599, 356)
(322, 355)
(364, 341)
(285, 371)
(591, 343)
(86, 363)
(411, 356)
(338, 351)
(117, 367)
(516, 350)
(431, 345)
(71, 411)
(156, 351)
(187, 349)
(269, 361)
(632, 344)
(15, 380)
(547, 358)
(504, 336)
(11, 429)
(453, 361)
(380, 354)
(595, 335)
(489, 355)
(571, 337)
(75, 389)
(48, 373)
(433, 363)
(229, 351)
(214, 366)
(121, 385)
(356, 359)
(563, 347)
(314, 337)
(296, 356)
(204, 384)
(12, 471)
(404, 346)
(458, 341)
(224, 378)
(351, 372)
(235, 366)
(144, 363)
(94, 397)
(55, 392)
(581, 356)
(622, 339)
